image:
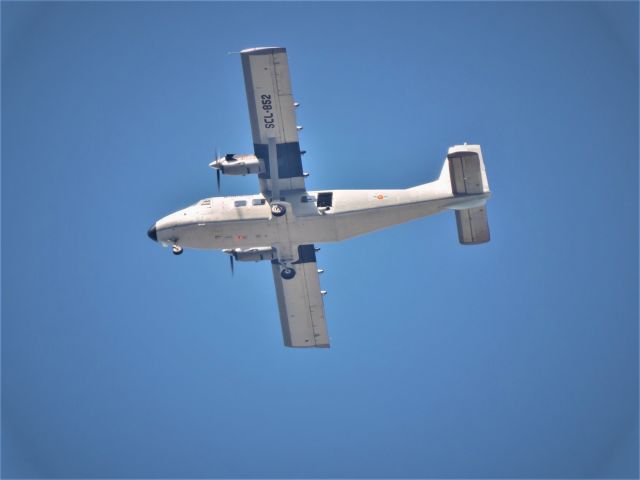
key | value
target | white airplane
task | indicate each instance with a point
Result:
(284, 221)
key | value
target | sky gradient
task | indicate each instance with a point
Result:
(518, 358)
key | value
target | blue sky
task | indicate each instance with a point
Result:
(517, 358)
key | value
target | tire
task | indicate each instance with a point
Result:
(278, 210)
(177, 250)
(287, 273)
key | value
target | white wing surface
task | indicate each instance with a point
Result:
(300, 303)
(272, 115)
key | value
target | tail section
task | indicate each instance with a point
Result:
(473, 225)
(464, 168)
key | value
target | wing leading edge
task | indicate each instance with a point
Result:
(300, 302)
(272, 115)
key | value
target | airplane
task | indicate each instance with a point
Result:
(284, 222)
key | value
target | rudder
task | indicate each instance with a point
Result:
(473, 225)
(468, 177)
(466, 170)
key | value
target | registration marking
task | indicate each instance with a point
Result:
(267, 115)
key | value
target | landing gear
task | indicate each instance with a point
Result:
(176, 249)
(278, 210)
(287, 273)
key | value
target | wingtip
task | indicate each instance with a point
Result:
(262, 50)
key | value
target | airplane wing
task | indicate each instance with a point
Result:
(300, 302)
(273, 118)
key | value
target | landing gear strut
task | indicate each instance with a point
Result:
(176, 249)
(287, 273)
(278, 210)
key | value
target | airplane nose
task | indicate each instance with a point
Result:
(152, 233)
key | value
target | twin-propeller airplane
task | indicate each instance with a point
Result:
(284, 221)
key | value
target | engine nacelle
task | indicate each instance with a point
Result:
(252, 254)
(232, 164)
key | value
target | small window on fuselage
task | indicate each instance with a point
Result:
(240, 203)
(258, 201)
(325, 199)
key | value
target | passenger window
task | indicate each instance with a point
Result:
(258, 201)
(325, 199)
(240, 203)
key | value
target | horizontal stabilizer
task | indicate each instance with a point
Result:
(473, 226)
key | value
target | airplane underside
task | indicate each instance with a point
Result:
(283, 223)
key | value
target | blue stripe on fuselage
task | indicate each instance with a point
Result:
(289, 159)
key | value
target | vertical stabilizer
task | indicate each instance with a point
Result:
(466, 170)
(468, 178)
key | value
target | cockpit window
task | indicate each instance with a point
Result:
(206, 202)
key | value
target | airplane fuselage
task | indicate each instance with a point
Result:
(312, 217)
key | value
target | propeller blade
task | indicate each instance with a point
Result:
(231, 263)
(218, 179)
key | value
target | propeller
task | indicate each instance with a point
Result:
(217, 169)
(229, 157)
(231, 253)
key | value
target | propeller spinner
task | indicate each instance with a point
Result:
(234, 164)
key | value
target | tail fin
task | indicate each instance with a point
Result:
(473, 225)
(467, 176)
(466, 170)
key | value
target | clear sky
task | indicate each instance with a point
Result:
(517, 358)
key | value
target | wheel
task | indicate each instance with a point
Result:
(278, 210)
(288, 273)
(177, 250)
